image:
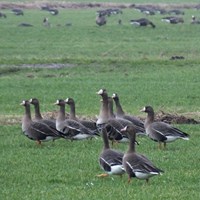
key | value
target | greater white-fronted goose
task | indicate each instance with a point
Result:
(112, 125)
(36, 130)
(139, 125)
(135, 164)
(142, 22)
(72, 115)
(72, 129)
(38, 116)
(3, 15)
(17, 11)
(101, 20)
(195, 20)
(110, 160)
(160, 131)
(173, 20)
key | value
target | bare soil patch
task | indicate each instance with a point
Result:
(71, 5)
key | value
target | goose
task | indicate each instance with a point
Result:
(176, 12)
(17, 11)
(101, 20)
(38, 116)
(46, 22)
(24, 24)
(37, 131)
(3, 15)
(110, 160)
(173, 20)
(194, 20)
(139, 125)
(112, 125)
(135, 164)
(53, 11)
(142, 22)
(72, 115)
(71, 128)
(160, 131)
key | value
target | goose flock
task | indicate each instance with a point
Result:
(113, 127)
(172, 16)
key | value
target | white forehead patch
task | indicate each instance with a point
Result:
(100, 91)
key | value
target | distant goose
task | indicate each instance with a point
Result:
(2, 15)
(37, 131)
(176, 12)
(160, 131)
(194, 20)
(71, 129)
(173, 20)
(46, 22)
(135, 164)
(23, 24)
(17, 11)
(139, 125)
(110, 160)
(101, 20)
(142, 22)
(53, 11)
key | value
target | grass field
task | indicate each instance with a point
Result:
(76, 61)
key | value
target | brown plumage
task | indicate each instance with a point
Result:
(110, 160)
(37, 130)
(160, 131)
(135, 164)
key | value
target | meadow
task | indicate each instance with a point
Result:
(76, 61)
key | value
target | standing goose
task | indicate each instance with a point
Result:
(122, 121)
(135, 164)
(112, 125)
(142, 22)
(110, 160)
(101, 20)
(38, 116)
(160, 131)
(139, 125)
(36, 130)
(70, 128)
(72, 115)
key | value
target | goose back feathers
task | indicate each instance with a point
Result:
(135, 164)
(160, 131)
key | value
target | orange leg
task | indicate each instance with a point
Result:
(102, 175)
(38, 142)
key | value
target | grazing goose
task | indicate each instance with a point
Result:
(72, 115)
(24, 24)
(36, 130)
(160, 131)
(173, 20)
(71, 128)
(53, 11)
(101, 20)
(139, 125)
(110, 160)
(176, 12)
(135, 164)
(112, 125)
(17, 11)
(142, 22)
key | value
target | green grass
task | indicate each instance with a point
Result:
(133, 62)
(66, 169)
